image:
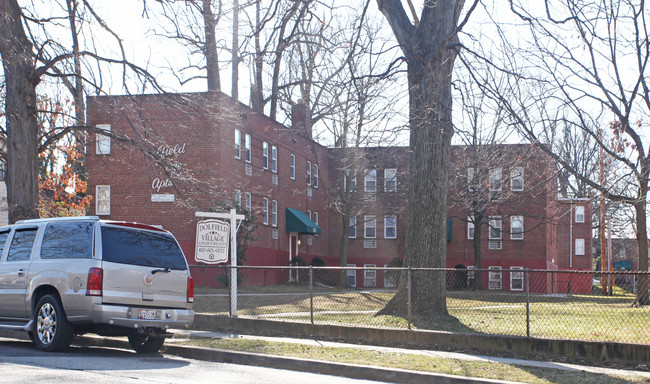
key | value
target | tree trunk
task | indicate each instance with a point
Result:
(430, 59)
(642, 241)
(211, 55)
(235, 50)
(20, 109)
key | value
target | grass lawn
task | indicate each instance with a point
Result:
(418, 362)
(582, 317)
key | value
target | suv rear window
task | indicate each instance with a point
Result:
(147, 249)
(67, 240)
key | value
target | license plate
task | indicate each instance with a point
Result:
(146, 314)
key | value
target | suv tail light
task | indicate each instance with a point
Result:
(190, 290)
(95, 282)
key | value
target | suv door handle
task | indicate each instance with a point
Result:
(21, 272)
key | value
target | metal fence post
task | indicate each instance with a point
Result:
(311, 294)
(527, 278)
(408, 300)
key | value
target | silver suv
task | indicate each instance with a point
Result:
(66, 276)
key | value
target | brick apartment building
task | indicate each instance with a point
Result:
(169, 156)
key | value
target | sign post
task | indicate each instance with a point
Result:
(212, 245)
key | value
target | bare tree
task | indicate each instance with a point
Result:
(590, 65)
(428, 44)
(31, 54)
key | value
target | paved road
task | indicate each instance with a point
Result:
(20, 362)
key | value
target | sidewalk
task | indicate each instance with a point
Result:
(181, 335)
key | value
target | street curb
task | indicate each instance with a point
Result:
(353, 371)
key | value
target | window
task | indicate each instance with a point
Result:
(580, 214)
(580, 247)
(517, 179)
(309, 173)
(471, 181)
(390, 227)
(517, 228)
(3, 170)
(103, 200)
(247, 144)
(274, 213)
(370, 275)
(136, 247)
(265, 155)
(516, 278)
(237, 144)
(351, 275)
(495, 183)
(353, 181)
(238, 197)
(390, 180)
(292, 166)
(315, 176)
(370, 182)
(248, 202)
(309, 214)
(369, 227)
(265, 210)
(470, 228)
(316, 218)
(21, 244)
(495, 227)
(274, 159)
(3, 241)
(494, 276)
(103, 144)
(67, 240)
(352, 229)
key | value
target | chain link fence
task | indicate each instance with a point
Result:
(537, 303)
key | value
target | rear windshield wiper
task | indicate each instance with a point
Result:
(166, 270)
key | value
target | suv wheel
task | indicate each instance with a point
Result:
(52, 331)
(143, 343)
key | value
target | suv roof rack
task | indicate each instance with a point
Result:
(49, 219)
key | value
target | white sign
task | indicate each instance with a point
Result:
(162, 198)
(212, 239)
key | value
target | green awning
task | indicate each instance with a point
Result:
(299, 222)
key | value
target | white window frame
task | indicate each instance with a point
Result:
(370, 224)
(519, 235)
(315, 176)
(470, 179)
(370, 275)
(249, 201)
(494, 220)
(370, 181)
(265, 211)
(517, 174)
(580, 247)
(103, 142)
(496, 183)
(470, 228)
(352, 228)
(292, 166)
(495, 277)
(315, 218)
(580, 214)
(102, 197)
(237, 144)
(353, 181)
(390, 180)
(387, 227)
(352, 273)
(516, 275)
(265, 155)
(274, 213)
(309, 173)
(274, 159)
(247, 145)
(238, 197)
